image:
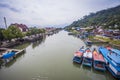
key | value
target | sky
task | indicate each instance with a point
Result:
(49, 13)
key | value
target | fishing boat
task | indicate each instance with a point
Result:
(78, 55)
(87, 58)
(98, 61)
(112, 61)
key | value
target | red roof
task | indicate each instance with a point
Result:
(22, 26)
(97, 56)
(78, 53)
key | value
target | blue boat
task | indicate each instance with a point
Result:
(112, 61)
(8, 56)
(87, 58)
(78, 55)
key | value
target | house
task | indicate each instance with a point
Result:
(22, 27)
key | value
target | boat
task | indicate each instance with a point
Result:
(6, 57)
(78, 55)
(112, 61)
(98, 61)
(88, 42)
(87, 58)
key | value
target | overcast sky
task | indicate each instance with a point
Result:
(45, 13)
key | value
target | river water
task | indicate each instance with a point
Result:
(51, 59)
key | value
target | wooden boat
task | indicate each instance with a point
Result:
(78, 55)
(87, 58)
(98, 61)
(112, 61)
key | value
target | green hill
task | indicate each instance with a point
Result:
(108, 18)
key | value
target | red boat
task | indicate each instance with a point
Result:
(98, 61)
(78, 54)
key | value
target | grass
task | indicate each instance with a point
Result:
(111, 41)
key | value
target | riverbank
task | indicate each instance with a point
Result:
(110, 41)
(13, 42)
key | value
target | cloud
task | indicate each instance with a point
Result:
(47, 12)
(8, 7)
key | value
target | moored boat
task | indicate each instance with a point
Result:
(112, 61)
(87, 58)
(98, 61)
(6, 57)
(88, 42)
(78, 55)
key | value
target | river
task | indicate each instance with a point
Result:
(51, 59)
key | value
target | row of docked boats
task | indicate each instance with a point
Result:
(104, 58)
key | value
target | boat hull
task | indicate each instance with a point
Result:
(113, 73)
(87, 62)
(77, 59)
(98, 67)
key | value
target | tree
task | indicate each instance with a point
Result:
(1, 34)
(12, 32)
(109, 17)
(34, 31)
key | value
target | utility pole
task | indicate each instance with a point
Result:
(5, 22)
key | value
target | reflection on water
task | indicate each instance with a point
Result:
(51, 59)
(76, 65)
(37, 43)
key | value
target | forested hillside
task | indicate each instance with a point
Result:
(109, 18)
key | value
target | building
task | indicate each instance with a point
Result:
(22, 27)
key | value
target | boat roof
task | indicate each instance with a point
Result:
(116, 51)
(104, 51)
(98, 57)
(87, 54)
(107, 54)
(78, 53)
(115, 57)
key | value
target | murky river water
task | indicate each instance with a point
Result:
(51, 59)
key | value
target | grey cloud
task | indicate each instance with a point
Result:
(8, 7)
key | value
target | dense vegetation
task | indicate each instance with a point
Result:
(34, 31)
(109, 18)
(13, 32)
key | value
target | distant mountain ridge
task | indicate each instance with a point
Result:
(108, 18)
